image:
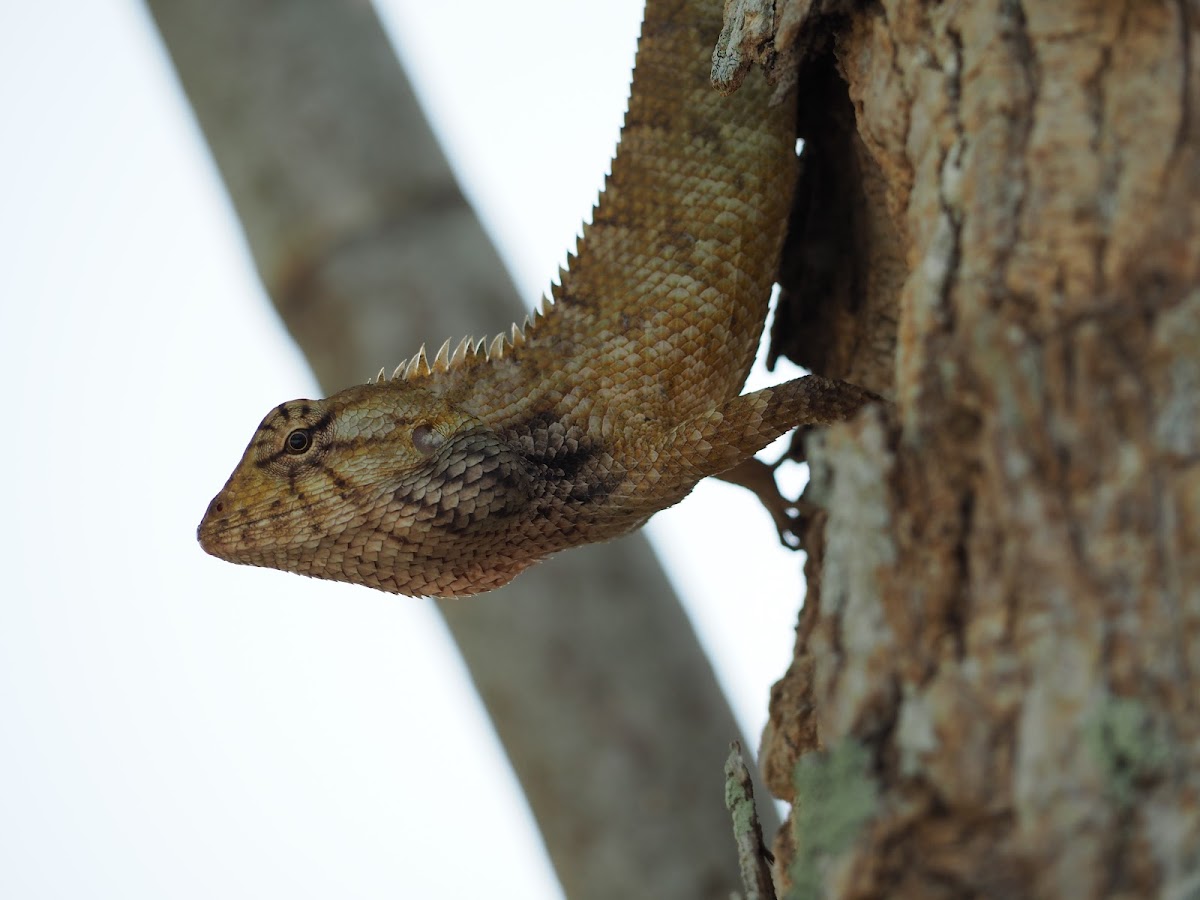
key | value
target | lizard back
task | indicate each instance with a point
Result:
(661, 307)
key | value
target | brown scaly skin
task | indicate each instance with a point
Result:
(454, 476)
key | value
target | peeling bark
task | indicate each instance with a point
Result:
(1003, 615)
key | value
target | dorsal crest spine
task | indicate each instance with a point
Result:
(469, 350)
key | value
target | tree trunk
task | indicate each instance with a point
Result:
(600, 693)
(996, 690)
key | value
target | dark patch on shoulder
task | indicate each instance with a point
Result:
(458, 525)
(570, 462)
(595, 489)
(565, 451)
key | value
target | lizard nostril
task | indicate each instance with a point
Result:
(214, 519)
(216, 507)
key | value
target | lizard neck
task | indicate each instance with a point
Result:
(504, 500)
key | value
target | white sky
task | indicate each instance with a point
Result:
(173, 726)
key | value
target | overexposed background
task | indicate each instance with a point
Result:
(173, 726)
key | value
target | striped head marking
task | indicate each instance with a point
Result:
(366, 486)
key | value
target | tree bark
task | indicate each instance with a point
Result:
(997, 673)
(593, 677)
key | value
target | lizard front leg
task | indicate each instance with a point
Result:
(722, 441)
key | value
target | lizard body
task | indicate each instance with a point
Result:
(455, 474)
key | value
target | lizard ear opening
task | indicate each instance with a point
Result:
(427, 439)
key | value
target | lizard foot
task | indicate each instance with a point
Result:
(789, 516)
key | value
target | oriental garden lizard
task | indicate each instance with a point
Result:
(458, 472)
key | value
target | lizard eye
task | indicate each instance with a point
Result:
(298, 441)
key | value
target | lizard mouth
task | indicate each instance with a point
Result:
(241, 534)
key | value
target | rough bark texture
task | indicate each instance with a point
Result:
(605, 703)
(995, 691)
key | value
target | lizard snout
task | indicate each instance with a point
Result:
(213, 522)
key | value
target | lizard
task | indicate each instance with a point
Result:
(609, 403)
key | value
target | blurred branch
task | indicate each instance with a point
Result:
(592, 674)
(753, 857)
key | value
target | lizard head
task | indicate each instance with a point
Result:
(385, 485)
